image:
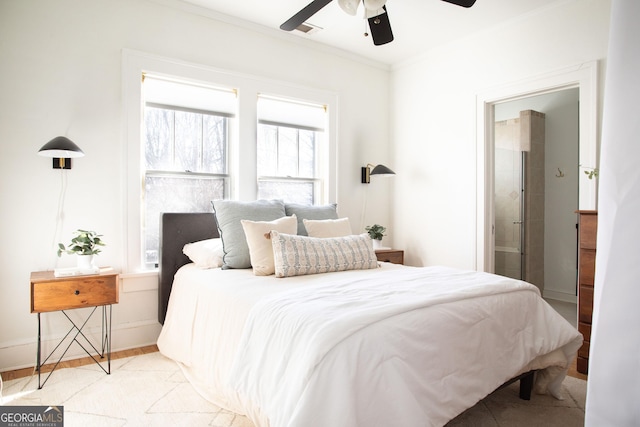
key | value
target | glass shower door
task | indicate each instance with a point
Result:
(509, 212)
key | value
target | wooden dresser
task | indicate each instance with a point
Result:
(587, 230)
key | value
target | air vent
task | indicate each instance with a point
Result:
(307, 28)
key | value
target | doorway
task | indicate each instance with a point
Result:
(536, 161)
(584, 79)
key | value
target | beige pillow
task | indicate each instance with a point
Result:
(259, 241)
(328, 227)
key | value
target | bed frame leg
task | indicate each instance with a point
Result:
(526, 385)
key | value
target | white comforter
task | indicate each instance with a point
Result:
(392, 346)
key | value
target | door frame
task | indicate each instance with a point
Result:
(583, 76)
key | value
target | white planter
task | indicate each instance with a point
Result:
(377, 244)
(84, 261)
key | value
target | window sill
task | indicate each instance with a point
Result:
(139, 282)
(139, 274)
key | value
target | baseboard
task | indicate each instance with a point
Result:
(560, 296)
(124, 337)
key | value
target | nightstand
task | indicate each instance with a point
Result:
(50, 293)
(394, 256)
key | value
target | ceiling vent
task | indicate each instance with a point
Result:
(307, 28)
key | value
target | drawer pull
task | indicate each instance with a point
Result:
(77, 292)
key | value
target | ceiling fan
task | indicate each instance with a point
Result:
(375, 13)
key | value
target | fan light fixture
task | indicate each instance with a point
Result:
(372, 7)
(349, 6)
(373, 13)
(374, 4)
(62, 149)
(381, 170)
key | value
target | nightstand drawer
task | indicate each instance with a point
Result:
(77, 292)
(394, 256)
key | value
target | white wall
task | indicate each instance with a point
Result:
(434, 120)
(60, 74)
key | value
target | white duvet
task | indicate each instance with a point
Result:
(392, 346)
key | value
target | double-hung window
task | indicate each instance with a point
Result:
(290, 144)
(186, 136)
(196, 134)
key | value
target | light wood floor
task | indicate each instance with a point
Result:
(20, 373)
(26, 372)
(573, 371)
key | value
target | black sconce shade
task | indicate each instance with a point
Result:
(60, 146)
(377, 170)
(62, 149)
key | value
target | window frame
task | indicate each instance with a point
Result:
(241, 152)
(225, 175)
(318, 179)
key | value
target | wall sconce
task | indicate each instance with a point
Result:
(377, 170)
(62, 149)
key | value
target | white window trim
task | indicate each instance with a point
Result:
(243, 182)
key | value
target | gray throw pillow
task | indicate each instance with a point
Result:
(310, 212)
(229, 213)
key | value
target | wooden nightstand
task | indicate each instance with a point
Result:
(394, 256)
(50, 293)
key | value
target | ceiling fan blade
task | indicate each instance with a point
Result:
(307, 12)
(381, 28)
(463, 3)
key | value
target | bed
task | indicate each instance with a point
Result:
(392, 345)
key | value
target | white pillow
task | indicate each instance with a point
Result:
(205, 253)
(327, 227)
(300, 255)
(259, 241)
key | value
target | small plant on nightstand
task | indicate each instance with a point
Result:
(376, 232)
(85, 244)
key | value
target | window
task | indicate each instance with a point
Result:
(289, 145)
(185, 154)
(204, 122)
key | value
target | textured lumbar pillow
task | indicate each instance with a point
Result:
(259, 241)
(299, 255)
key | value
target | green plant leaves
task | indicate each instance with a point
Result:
(84, 243)
(375, 231)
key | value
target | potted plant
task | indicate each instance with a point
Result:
(85, 244)
(376, 232)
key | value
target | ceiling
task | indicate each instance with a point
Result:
(418, 25)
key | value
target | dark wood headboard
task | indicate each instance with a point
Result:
(176, 230)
